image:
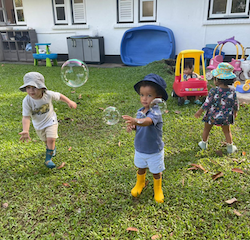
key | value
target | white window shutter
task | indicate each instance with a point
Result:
(126, 13)
(79, 12)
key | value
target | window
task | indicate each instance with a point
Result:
(126, 9)
(228, 9)
(60, 11)
(78, 12)
(147, 10)
(11, 12)
(64, 8)
(18, 8)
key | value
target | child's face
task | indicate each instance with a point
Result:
(147, 95)
(188, 71)
(34, 92)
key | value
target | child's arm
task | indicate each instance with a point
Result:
(70, 103)
(134, 122)
(198, 113)
(26, 127)
(235, 114)
(198, 76)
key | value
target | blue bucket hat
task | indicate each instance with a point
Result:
(161, 84)
(224, 71)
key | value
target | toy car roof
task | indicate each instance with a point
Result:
(190, 53)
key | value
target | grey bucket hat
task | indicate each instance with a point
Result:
(156, 79)
(34, 79)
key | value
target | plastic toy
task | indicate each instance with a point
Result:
(244, 76)
(193, 86)
(216, 60)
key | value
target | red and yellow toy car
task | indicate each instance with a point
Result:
(193, 86)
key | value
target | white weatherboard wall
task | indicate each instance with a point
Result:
(186, 18)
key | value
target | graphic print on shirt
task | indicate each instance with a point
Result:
(41, 110)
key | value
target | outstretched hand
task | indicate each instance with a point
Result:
(131, 122)
(198, 113)
(72, 104)
(25, 136)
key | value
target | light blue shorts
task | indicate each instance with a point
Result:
(154, 162)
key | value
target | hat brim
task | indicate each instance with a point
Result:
(229, 75)
(163, 91)
(33, 84)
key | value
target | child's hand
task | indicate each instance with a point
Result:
(130, 128)
(129, 120)
(198, 113)
(25, 136)
(72, 104)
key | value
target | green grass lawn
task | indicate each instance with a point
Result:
(90, 197)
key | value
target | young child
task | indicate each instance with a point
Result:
(221, 106)
(38, 106)
(189, 73)
(149, 147)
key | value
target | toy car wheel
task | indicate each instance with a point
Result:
(180, 101)
(236, 83)
(209, 75)
(246, 87)
(237, 73)
(173, 94)
(241, 76)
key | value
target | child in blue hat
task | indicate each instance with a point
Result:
(37, 105)
(221, 106)
(149, 147)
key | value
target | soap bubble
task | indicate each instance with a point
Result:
(74, 73)
(111, 115)
(158, 106)
(140, 117)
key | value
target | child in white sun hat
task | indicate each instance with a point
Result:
(221, 106)
(37, 105)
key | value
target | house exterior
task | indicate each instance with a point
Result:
(194, 23)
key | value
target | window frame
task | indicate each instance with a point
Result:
(16, 15)
(136, 12)
(55, 6)
(2, 9)
(128, 19)
(74, 20)
(228, 14)
(147, 19)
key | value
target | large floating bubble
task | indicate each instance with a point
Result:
(74, 73)
(158, 106)
(111, 115)
(140, 117)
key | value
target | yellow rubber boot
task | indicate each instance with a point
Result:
(140, 184)
(159, 197)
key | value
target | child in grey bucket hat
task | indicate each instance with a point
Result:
(149, 147)
(37, 105)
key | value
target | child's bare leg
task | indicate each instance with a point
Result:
(197, 100)
(50, 143)
(226, 130)
(230, 147)
(206, 131)
(203, 144)
(186, 100)
(141, 171)
(157, 176)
